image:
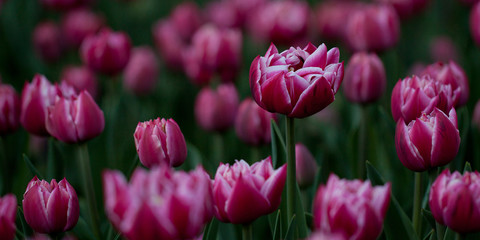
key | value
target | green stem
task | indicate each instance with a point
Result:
(417, 201)
(291, 165)
(247, 233)
(362, 143)
(86, 172)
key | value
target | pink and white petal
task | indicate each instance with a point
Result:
(316, 97)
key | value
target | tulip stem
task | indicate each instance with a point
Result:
(247, 233)
(417, 202)
(84, 161)
(362, 143)
(291, 165)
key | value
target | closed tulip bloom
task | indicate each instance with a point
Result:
(414, 95)
(454, 200)
(8, 212)
(475, 23)
(296, 82)
(306, 166)
(443, 49)
(160, 204)
(107, 52)
(47, 41)
(169, 43)
(252, 123)
(78, 24)
(429, 141)
(9, 109)
(50, 207)
(75, 120)
(215, 110)
(476, 115)
(141, 73)
(351, 208)
(160, 142)
(365, 79)
(187, 18)
(243, 193)
(80, 78)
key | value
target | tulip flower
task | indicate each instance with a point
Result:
(429, 141)
(327, 236)
(47, 41)
(296, 82)
(75, 120)
(365, 79)
(9, 109)
(454, 201)
(160, 204)
(406, 8)
(475, 23)
(141, 73)
(8, 212)
(78, 24)
(331, 16)
(476, 115)
(443, 49)
(243, 193)
(80, 78)
(223, 14)
(351, 208)
(160, 142)
(252, 123)
(187, 18)
(306, 166)
(50, 207)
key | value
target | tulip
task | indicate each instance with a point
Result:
(160, 142)
(365, 79)
(78, 24)
(454, 201)
(476, 115)
(107, 52)
(169, 43)
(245, 9)
(306, 166)
(64, 5)
(450, 74)
(80, 78)
(351, 208)
(296, 82)
(187, 18)
(331, 16)
(443, 49)
(406, 8)
(475, 23)
(414, 95)
(429, 141)
(47, 41)
(8, 212)
(75, 120)
(50, 207)
(215, 110)
(327, 236)
(243, 193)
(252, 123)
(223, 14)
(141, 73)
(9, 109)
(160, 204)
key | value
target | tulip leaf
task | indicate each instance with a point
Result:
(117, 236)
(392, 228)
(309, 218)
(289, 235)
(430, 235)
(211, 230)
(22, 222)
(277, 227)
(467, 168)
(449, 234)
(31, 167)
(300, 213)
(277, 139)
(82, 230)
(429, 217)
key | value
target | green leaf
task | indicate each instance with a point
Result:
(31, 167)
(291, 229)
(300, 213)
(274, 144)
(277, 228)
(449, 234)
(82, 230)
(467, 168)
(429, 217)
(309, 218)
(430, 235)
(211, 230)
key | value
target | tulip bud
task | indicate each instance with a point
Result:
(475, 23)
(78, 24)
(429, 141)
(75, 120)
(50, 207)
(160, 142)
(406, 8)
(351, 208)
(296, 82)
(252, 123)
(80, 78)
(476, 115)
(365, 79)
(243, 193)
(215, 110)
(443, 49)
(331, 17)
(160, 204)
(169, 43)
(306, 166)
(8, 212)
(141, 73)
(107, 52)
(454, 201)
(187, 18)
(9, 109)
(47, 41)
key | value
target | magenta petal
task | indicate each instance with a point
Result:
(315, 98)
(116, 197)
(60, 122)
(406, 151)
(421, 136)
(275, 95)
(446, 140)
(57, 206)
(34, 209)
(73, 205)
(221, 191)
(255, 78)
(333, 56)
(317, 58)
(381, 199)
(176, 146)
(89, 119)
(143, 224)
(396, 101)
(273, 187)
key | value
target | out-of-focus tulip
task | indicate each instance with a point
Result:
(8, 212)
(429, 141)
(327, 236)
(296, 82)
(252, 123)
(454, 201)
(476, 115)
(141, 73)
(75, 120)
(306, 166)
(160, 204)
(160, 142)
(47, 41)
(406, 8)
(187, 18)
(416, 69)
(39, 236)
(353, 208)
(223, 14)
(245, 8)
(443, 49)
(64, 5)
(373, 28)
(331, 16)
(453, 75)
(213, 51)
(414, 95)
(106, 52)
(50, 207)
(80, 78)
(215, 110)
(9, 109)
(243, 193)
(475, 23)
(78, 24)
(365, 80)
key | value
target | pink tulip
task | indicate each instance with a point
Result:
(75, 120)
(454, 200)
(306, 166)
(160, 142)
(429, 141)
(443, 49)
(331, 16)
(50, 207)
(160, 204)
(245, 9)
(223, 14)
(351, 208)
(78, 24)
(327, 236)
(9, 109)
(243, 193)
(407, 8)
(365, 80)
(187, 18)
(475, 23)
(476, 115)
(215, 110)
(8, 212)
(64, 5)
(414, 95)
(141, 73)
(107, 52)
(80, 78)
(296, 82)
(47, 41)
(252, 123)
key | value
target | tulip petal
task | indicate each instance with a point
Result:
(273, 187)
(57, 207)
(275, 95)
(316, 97)
(89, 119)
(446, 140)
(317, 58)
(406, 151)
(34, 208)
(176, 146)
